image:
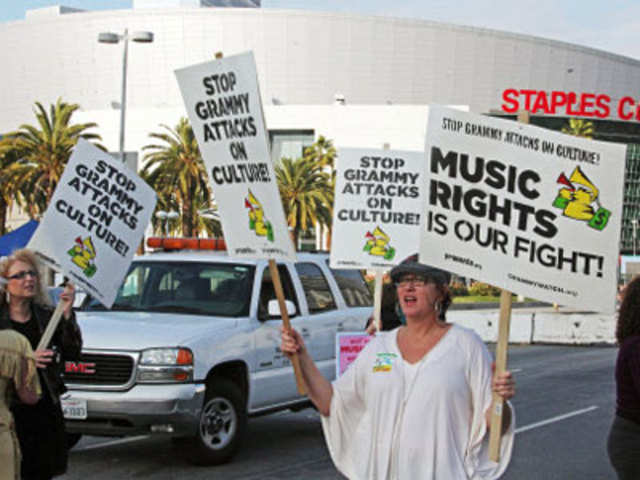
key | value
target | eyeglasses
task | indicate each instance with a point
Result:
(23, 274)
(415, 281)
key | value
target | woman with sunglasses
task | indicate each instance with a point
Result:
(25, 308)
(416, 402)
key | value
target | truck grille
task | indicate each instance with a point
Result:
(99, 369)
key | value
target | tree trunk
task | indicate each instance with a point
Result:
(187, 219)
(294, 238)
(3, 217)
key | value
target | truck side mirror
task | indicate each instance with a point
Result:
(274, 308)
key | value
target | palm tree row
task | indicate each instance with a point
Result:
(175, 170)
(33, 158)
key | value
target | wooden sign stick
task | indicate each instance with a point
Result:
(495, 433)
(295, 361)
(51, 327)
(377, 301)
(502, 347)
(377, 286)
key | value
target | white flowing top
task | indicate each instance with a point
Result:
(389, 423)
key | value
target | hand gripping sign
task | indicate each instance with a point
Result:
(223, 103)
(94, 223)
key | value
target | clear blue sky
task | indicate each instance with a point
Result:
(611, 25)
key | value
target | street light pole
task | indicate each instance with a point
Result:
(109, 37)
(123, 97)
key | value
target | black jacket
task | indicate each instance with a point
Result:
(66, 342)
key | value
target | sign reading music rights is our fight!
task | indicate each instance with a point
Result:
(526, 209)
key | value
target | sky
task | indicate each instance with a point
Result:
(610, 25)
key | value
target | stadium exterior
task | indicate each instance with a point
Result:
(358, 80)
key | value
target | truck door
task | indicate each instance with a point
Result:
(324, 318)
(274, 379)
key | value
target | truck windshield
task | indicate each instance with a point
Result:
(221, 289)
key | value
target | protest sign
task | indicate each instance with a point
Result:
(222, 99)
(94, 222)
(529, 210)
(223, 104)
(348, 346)
(377, 209)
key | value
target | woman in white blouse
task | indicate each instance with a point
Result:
(416, 402)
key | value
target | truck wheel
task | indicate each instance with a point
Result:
(222, 424)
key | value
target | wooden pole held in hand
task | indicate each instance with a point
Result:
(495, 433)
(502, 347)
(377, 301)
(295, 361)
(47, 335)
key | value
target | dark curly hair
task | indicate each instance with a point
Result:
(629, 313)
(445, 300)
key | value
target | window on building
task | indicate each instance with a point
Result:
(316, 288)
(289, 143)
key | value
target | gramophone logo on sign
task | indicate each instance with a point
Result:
(578, 199)
(82, 254)
(257, 221)
(378, 244)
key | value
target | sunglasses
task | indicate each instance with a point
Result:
(416, 281)
(23, 274)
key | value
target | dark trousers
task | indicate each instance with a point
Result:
(40, 430)
(623, 446)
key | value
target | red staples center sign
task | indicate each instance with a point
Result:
(570, 104)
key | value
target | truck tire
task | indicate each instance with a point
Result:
(223, 422)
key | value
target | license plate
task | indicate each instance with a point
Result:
(74, 409)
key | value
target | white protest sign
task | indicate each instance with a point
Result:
(223, 104)
(94, 222)
(378, 203)
(526, 209)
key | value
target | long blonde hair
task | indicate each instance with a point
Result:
(26, 256)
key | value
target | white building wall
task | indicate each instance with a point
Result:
(302, 58)
(401, 126)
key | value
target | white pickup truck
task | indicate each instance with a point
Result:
(190, 347)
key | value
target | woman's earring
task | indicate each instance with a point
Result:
(437, 306)
(7, 296)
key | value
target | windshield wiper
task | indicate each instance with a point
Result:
(175, 309)
(114, 308)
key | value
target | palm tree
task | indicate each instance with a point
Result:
(306, 192)
(205, 217)
(176, 171)
(322, 152)
(579, 127)
(41, 154)
(7, 189)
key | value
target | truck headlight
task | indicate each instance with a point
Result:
(162, 365)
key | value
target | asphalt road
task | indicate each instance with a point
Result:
(564, 406)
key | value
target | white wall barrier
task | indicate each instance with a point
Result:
(541, 325)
